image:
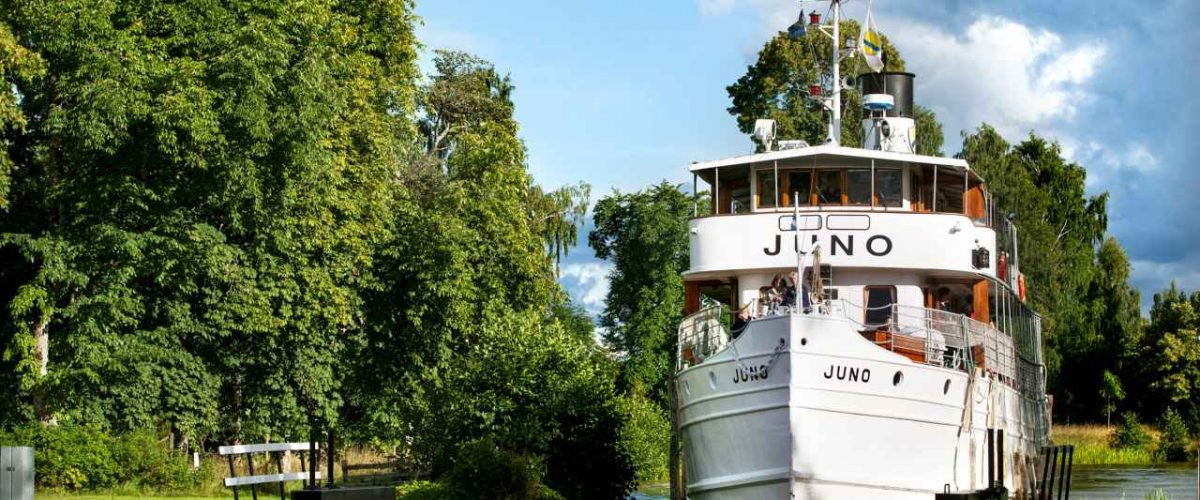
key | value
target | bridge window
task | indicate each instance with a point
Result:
(766, 195)
(888, 187)
(797, 184)
(858, 186)
(950, 191)
(829, 187)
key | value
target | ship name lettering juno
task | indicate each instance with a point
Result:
(877, 245)
(748, 373)
(851, 373)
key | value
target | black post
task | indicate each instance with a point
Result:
(329, 458)
(991, 459)
(253, 487)
(1000, 455)
(233, 475)
(1062, 473)
(1048, 483)
(1070, 466)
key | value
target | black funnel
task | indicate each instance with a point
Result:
(897, 85)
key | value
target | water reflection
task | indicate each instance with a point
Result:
(1104, 482)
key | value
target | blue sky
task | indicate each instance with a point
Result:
(622, 94)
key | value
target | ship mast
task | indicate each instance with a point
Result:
(835, 94)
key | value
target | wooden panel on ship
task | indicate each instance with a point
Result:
(910, 347)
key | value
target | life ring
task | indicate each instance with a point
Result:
(1021, 286)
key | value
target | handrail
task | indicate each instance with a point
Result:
(700, 335)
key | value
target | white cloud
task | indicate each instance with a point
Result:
(998, 71)
(588, 283)
(1151, 277)
(1107, 163)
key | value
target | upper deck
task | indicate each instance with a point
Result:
(867, 208)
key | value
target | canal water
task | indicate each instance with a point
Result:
(1098, 482)
(1132, 482)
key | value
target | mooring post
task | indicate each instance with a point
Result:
(1048, 481)
(1062, 474)
(1070, 467)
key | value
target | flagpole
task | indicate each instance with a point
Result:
(835, 127)
(799, 254)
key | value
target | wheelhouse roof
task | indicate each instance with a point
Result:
(825, 153)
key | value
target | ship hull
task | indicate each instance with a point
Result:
(803, 406)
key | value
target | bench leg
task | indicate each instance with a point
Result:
(253, 487)
(233, 474)
(279, 464)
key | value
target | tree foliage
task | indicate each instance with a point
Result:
(198, 190)
(239, 219)
(776, 86)
(645, 235)
(1169, 355)
(1073, 279)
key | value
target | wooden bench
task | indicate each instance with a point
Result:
(912, 348)
(275, 452)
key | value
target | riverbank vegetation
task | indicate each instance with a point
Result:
(238, 221)
(1128, 443)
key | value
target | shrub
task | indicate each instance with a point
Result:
(483, 470)
(73, 457)
(68, 457)
(146, 463)
(1130, 433)
(646, 435)
(422, 490)
(1173, 444)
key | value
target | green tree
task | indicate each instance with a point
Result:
(1059, 228)
(645, 235)
(470, 337)
(776, 86)
(1175, 439)
(1111, 393)
(1171, 354)
(198, 191)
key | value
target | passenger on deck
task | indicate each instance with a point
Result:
(943, 300)
(740, 322)
(789, 294)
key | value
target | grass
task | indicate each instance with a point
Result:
(1093, 445)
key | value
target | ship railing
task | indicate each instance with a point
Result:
(936, 337)
(700, 335)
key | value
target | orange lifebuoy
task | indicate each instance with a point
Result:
(1002, 267)
(1021, 286)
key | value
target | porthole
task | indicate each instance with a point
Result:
(712, 380)
(897, 378)
(803, 341)
(946, 387)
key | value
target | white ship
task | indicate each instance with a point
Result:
(907, 342)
